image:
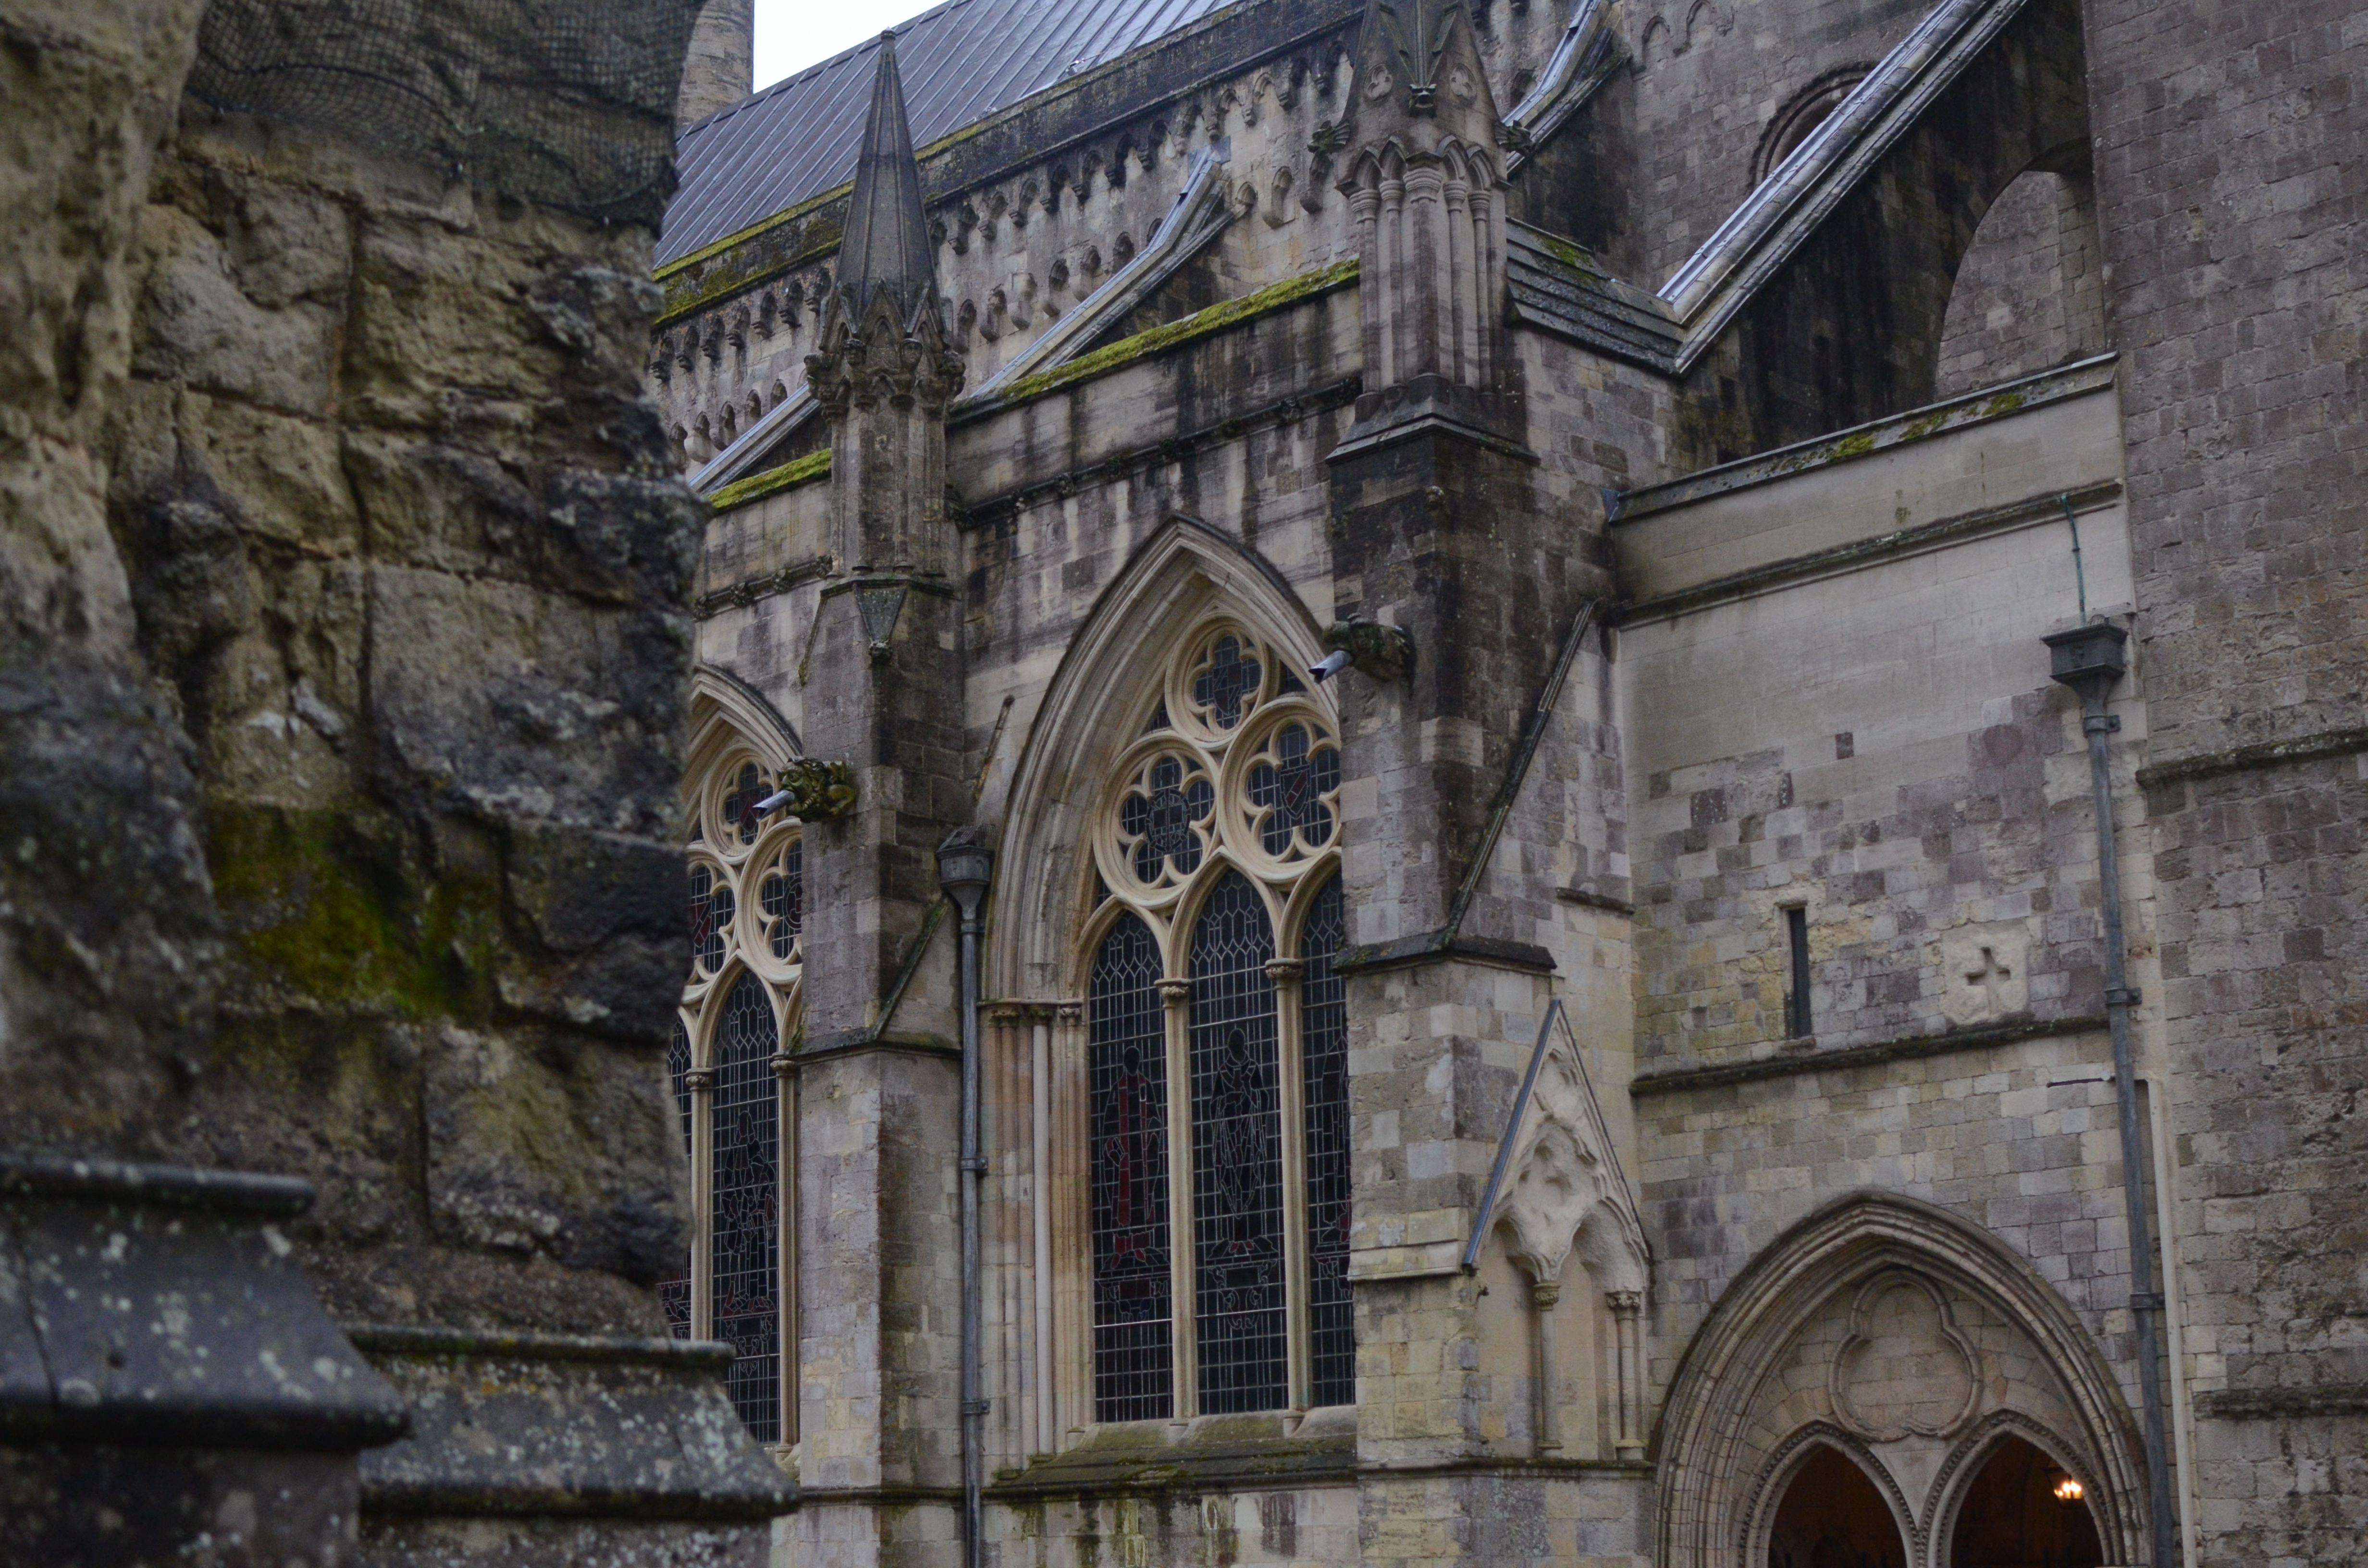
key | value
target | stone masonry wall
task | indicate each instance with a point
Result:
(408, 566)
(2231, 211)
(2028, 294)
(104, 907)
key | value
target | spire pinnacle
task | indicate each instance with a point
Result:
(887, 238)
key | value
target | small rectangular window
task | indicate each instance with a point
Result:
(1798, 1024)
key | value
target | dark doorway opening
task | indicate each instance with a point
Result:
(1833, 1517)
(2024, 1511)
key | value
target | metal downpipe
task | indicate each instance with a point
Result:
(965, 864)
(2089, 661)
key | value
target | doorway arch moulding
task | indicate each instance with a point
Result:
(1717, 1485)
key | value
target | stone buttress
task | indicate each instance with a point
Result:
(877, 1079)
(1442, 532)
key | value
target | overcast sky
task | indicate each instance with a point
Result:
(794, 34)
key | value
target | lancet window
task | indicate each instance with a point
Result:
(732, 1095)
(1216, 1049)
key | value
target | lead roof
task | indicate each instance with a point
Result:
(961, 62)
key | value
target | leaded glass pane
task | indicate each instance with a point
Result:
(711, 911)
(745, 1233)
(783, 894)
(1231, 675)
(740, 804)
(1324, 1052)
(1127, 1066)
(674, 1293)
(1237, 1157)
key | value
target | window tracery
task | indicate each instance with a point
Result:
(727, 1064)
(1214, 865)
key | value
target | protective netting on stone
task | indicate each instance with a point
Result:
(566, 103)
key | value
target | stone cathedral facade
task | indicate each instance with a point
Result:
(1624, 1071)
(1636, 728)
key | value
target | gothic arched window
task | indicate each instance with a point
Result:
(1216, 1049)
(738, 1010)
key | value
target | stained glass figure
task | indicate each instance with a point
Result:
(1127, 1066)
(674, 1293)
(1242, 1330)
(744, 1232)
(1289, 785)
(713, 908)
(740, 802)
(1324, 1059)
(1161, 816)
(1231, 675)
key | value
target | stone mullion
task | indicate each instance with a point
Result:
(1071, 1378)
(1291, 1075)
(701, 1083)
(1183, 1315)
(1040, 1203)
(1001, 1145)
(785, 1252)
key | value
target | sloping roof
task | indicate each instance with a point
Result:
(962, 63)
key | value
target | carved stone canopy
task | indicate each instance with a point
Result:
(1564, 1187)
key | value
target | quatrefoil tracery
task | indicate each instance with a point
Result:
(1237, 761)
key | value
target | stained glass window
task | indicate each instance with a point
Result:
(1127, 1063)
(743, 1226)
(1222, 807)
(1237, 1157)
(748, 918)
(674, 1293)
(1324, 1062)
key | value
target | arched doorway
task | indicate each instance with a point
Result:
(1832, 1516)
(2023, 1510)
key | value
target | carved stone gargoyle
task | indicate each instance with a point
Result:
(818, 790)
(1384, 653)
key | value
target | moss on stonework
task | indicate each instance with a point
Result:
(1570, 253)
(756, 486)
(1856, 445)
(1916, 430)
(1175, 334)
(334, 909)
(2005, 402)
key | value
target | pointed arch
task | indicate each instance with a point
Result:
(1090, 712)
(722, 707)
(1777, 1475)
(1713, 1466)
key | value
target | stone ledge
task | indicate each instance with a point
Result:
(1678, 1080)
(1214, 1452)
(1440, 946)
(155, 1305)
(2257, 757)
(2020, 396)
(1934, 535)
(509, 1424)
(2272, 1404)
